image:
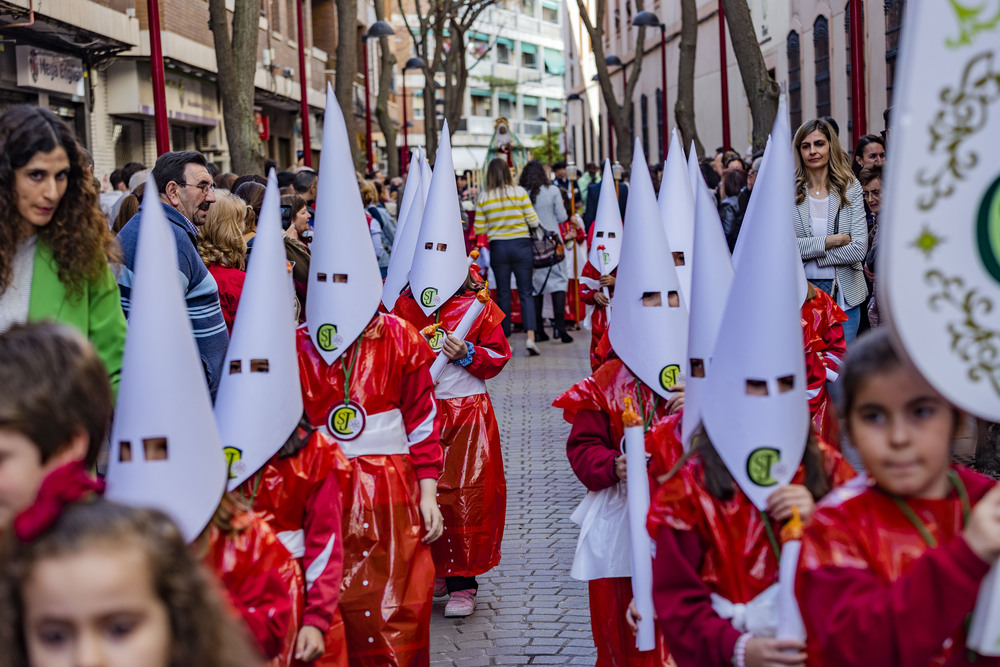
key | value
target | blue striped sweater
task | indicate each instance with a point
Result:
(200, 290)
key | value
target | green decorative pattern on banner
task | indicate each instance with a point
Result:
(988, 230)
(965, 114)
(972, 21)
(973, 343)
(927, 242)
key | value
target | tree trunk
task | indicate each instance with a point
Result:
(387, 61)
(761, 90)
(246, 152)
(617, 113)
(684, 107)
(347, 68)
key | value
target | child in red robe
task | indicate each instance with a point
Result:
(472, 488)
(592, 294)
(594, 407)
(890, 569)
(823, 331)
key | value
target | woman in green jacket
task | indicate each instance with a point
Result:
(55, 244)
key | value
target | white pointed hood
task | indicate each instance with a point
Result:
(425, 175)
(711, 277)
(607, 243)
(676, 204)
(440, 263)
(411, 210)
(345, 283)
(648, 334)
(259, 402)
(164, 410)
(694, 171)
(758, 415)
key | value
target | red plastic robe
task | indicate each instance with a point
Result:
(388, 580)
(866, 574)
(594, 407)
(705, 545)
(825, 348)
(589, 288)
(472, 489)
(300, 498)
(263, 582)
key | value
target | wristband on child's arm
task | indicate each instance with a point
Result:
(740, 650)
(467, 359)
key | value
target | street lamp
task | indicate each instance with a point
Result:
(649, 20)
(377, 29)
(412, 63)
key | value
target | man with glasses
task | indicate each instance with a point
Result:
(186, 191)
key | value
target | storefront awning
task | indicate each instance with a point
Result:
(481, 93)
(554, 62)
(529, 100)
(528, 48)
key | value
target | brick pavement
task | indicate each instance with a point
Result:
(529, 611)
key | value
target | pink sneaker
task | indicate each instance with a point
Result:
(461, 604)
(440, 587)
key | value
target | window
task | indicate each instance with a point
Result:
(893, 26)
(528, 7)
(644, 115)
(550, 11)
(821, 57)
(418, 105)
(794, 81)
(503, 51)
(529, 56)
(482, 103)
(659, 123)
(529, 107)
(506, 104)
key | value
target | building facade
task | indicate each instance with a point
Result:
(805, 44)
(89, 61)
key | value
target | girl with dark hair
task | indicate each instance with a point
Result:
(505, 216)
(830, 220)
(713, 543)
(54, 241)
(895, 564)
(547, 201)
(97, 574)
(253, 194)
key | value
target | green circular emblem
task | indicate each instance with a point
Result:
(669, 375)
(759, 466)
(327, 337)
(428, 297)
(233, 459)
(346, 422)
(988, 230)
(436, 340)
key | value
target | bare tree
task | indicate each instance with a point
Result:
(232, 54)
(618, 113)
(347, 68)
(387, 61)
(684, 107)
(439, 39)
(761, 90)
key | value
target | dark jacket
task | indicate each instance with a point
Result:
(731, 214)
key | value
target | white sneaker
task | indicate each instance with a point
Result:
(532, 348)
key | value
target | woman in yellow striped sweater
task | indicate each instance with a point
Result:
(504, 214)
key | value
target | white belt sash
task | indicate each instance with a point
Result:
(384, 434)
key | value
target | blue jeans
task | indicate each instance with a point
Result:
(514, 256)
(853, 314)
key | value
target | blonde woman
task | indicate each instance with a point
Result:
(222, 248)
(830, 220)
(505, 215)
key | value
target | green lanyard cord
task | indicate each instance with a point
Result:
(647, 419)
(348, 369)
(770, 535)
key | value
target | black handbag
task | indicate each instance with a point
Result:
(547, 249)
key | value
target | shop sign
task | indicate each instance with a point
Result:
(48, 70)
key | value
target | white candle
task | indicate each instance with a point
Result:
(461, 331)
(637, 484)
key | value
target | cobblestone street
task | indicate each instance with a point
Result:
(529, 611)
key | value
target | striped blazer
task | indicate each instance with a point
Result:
(846, 259)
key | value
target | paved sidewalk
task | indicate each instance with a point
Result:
(529, 611)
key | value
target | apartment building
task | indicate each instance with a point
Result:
(89, 61)
(515, 54)
(805, 44)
